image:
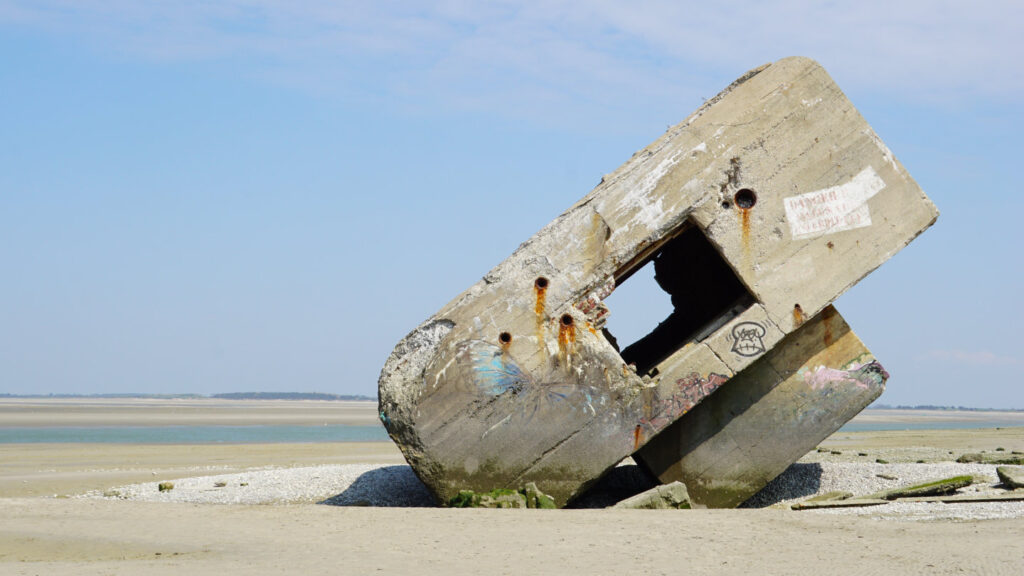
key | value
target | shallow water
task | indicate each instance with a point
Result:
(878, 426)
(192, 434)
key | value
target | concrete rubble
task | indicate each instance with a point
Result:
(672, 496)
(757, 212)
(1011, 476)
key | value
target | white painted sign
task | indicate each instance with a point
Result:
(834, 209)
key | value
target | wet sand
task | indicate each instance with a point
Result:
(43, 534)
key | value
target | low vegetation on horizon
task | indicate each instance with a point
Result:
(224, 396)
(949, 408)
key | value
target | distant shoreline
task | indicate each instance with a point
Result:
(363, 398)
(219, 396)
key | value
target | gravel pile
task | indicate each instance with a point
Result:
(803, 480)
(341, 485)
(374, 485)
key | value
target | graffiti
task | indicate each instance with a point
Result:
(690, 390)
(495, 375)
(843, 207)
(747, 339)
(863, 376)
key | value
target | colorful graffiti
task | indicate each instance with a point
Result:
(689, 391)
(864, 376)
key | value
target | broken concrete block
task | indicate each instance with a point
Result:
(664, 497)
(768, 416)
(756, 212)
(498, 498)
(1011, 476)
(528, 497)
(982, 458)
(537, 499)
(939, 487)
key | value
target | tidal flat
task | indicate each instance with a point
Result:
(50, 527)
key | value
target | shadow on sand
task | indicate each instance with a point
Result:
(388, 486)
(798, 481)
(398, 486)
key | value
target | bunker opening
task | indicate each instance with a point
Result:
(704, 291)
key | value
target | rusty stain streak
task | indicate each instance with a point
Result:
(638, 435)
(745, 233)
(826, 321)
(798, 315)
(566, 337)
(541, 289)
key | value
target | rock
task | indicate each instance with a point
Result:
(664, 497)
(983, 458)
(165, 486)
(537, 499)
(1012, 477)
(931, 488)
(528, 497)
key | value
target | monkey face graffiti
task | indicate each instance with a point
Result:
(747, 339)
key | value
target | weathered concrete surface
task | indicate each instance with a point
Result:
(1011, 476)
(768, 416)
(672, 496)
(937, 487)
(760, 209)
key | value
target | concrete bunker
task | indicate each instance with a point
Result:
(513, 383)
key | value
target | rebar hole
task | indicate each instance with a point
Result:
(745, 198)
(505, 338)
(541, 282)
(567, 320)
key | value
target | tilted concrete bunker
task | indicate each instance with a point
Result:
(758, 211)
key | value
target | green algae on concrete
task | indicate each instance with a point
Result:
(931, 488)
(527, 497)
(1011, 476)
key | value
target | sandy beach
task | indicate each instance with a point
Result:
(50, 528)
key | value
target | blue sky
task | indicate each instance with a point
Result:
(261, 195)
